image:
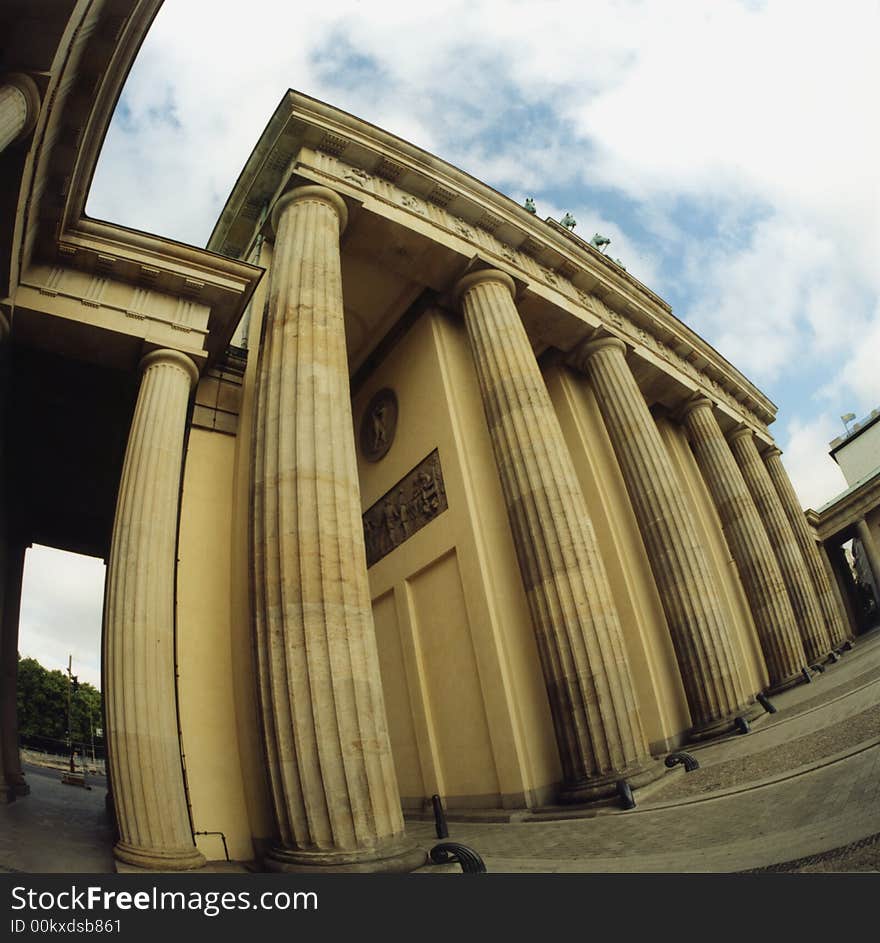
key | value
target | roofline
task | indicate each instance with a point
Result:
(850, 436)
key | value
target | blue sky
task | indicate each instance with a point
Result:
(729, 149)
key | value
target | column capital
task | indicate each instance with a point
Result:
(28, 88)
(175, 357)
(472, 279)
(773, 452)
(584, 352)
(696, 401)
(312, 192)
(739, 433)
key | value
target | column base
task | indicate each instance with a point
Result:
(602, 787)
(7, 794)
(399, 858)
(725, 725)
(786, 683)
(159, 859)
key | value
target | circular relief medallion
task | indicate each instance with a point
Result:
(378, 425)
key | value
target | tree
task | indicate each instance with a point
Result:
(42, 704)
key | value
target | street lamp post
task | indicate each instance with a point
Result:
(70, 709)
(92, 736)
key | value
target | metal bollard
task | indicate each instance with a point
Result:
(470, 861)
(688, 760)
(741, 724)
(440, 825)
(624, 790)
(765, 702)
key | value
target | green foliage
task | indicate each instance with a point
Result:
(42, 703)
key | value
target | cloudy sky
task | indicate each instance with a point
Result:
(729, 149)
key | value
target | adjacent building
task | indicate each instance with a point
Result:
(854, 515)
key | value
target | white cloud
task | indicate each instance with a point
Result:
(815, 475)
(61, 605)
(860, 372)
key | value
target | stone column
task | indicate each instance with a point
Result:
(329, 755)
(749, 546)
(19, 107)
(139, 663)
(580, 642)
(837, 569)
(8, 670)
(690, 601)
(810, 623)
(834, 623)
(10, 761)
(871, 552)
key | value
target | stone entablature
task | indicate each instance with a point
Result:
(136, 287)
(314, 142)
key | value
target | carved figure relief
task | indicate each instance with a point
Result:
(413, 502)
(462, 228)
(549, 276)
(508, 252)
(357, 176)
(378, 425)
(413, 203)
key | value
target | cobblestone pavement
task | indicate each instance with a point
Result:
(780, 758)
(863, 855)
(831, 806)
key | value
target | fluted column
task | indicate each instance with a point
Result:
(586, 672)
(843, 579)
(12, 781)
(751, 551)
(870, 546)
(139, 663)
(19, 106)
(11, 587)
(690, 600)
(810, 623)
(328, 750)
(834, 622)
(831, 557)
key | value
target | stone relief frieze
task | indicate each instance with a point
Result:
(508, 253)
(462, 228)
(358, 177)
(549, 276)
(413, 203)
(405, 509)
